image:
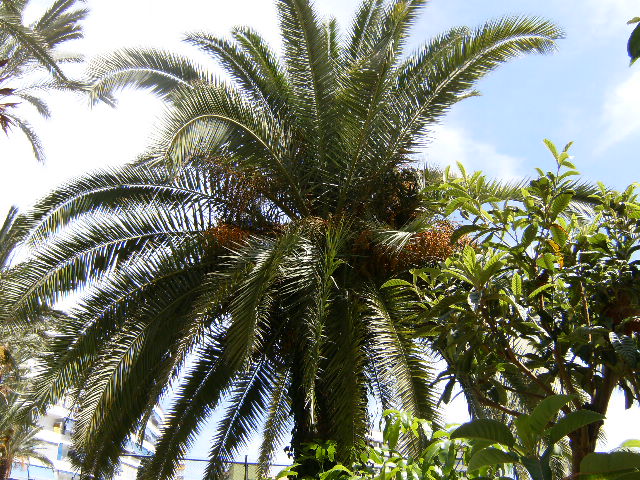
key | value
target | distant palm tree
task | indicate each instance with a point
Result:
(18, 430)
(29, 51)
(240, 261)
(19, 442)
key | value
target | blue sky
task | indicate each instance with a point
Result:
(585, 92)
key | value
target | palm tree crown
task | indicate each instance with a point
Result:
(28, 51)
(239, 260)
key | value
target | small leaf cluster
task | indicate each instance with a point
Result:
(537, 440)
(479, 449)
(439, 456)
(633, 46)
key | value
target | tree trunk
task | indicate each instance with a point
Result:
(584, 441)
(5, 468)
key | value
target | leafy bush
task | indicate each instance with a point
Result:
(544, 299)
(480, 449)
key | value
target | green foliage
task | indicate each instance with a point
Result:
(27, 50)
(545, 299)
(633, 47)
(538, 434)
(485, 429)
(620, 464)
(442, 457)
(479, 449)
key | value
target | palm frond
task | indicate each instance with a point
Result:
(247, 405)
(309, 69)
(200, 391)
(29, 133)
(403, 374)
(29, 40)
(278, 418)
(159, 71)
(364, 29)
(61, 22)
(250, 64)
(455, 73)
(8, 237)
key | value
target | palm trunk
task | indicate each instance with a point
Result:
(5, 467)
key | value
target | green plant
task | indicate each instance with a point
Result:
(537, 439)
(240, 259)
(544, 299)
(633, 47)
(622, 463)
(480, 449)
(18, 429)
(28, 51)
(441, 457)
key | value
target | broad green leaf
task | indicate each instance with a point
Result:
(559, 204)
(609, 462)
(541, 289)
(559, 234)
(631, 444)
(490, 457)
(546, 411)
(464, 230)
(290, 471)
(469, 258)
(391, 433)
(571, 422)
(635, 475)
(485, 429)
(396, 282)
(552, 148)
(547, 261)
(633, 20)
(335, 471)
(516, 284)
(454, 205)
(536, 469)
(633, 47)
(525, 432)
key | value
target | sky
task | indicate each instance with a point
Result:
(585, 92)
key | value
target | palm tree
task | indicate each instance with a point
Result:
(29, 51)
(18, 430)
(239, 261)
(18, 441)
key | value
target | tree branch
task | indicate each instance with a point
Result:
(490, 403)
(513, 357)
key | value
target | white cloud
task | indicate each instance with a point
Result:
(453, 144)
(609, 15)
(621, 112)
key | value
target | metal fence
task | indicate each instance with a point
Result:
(191, 469)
